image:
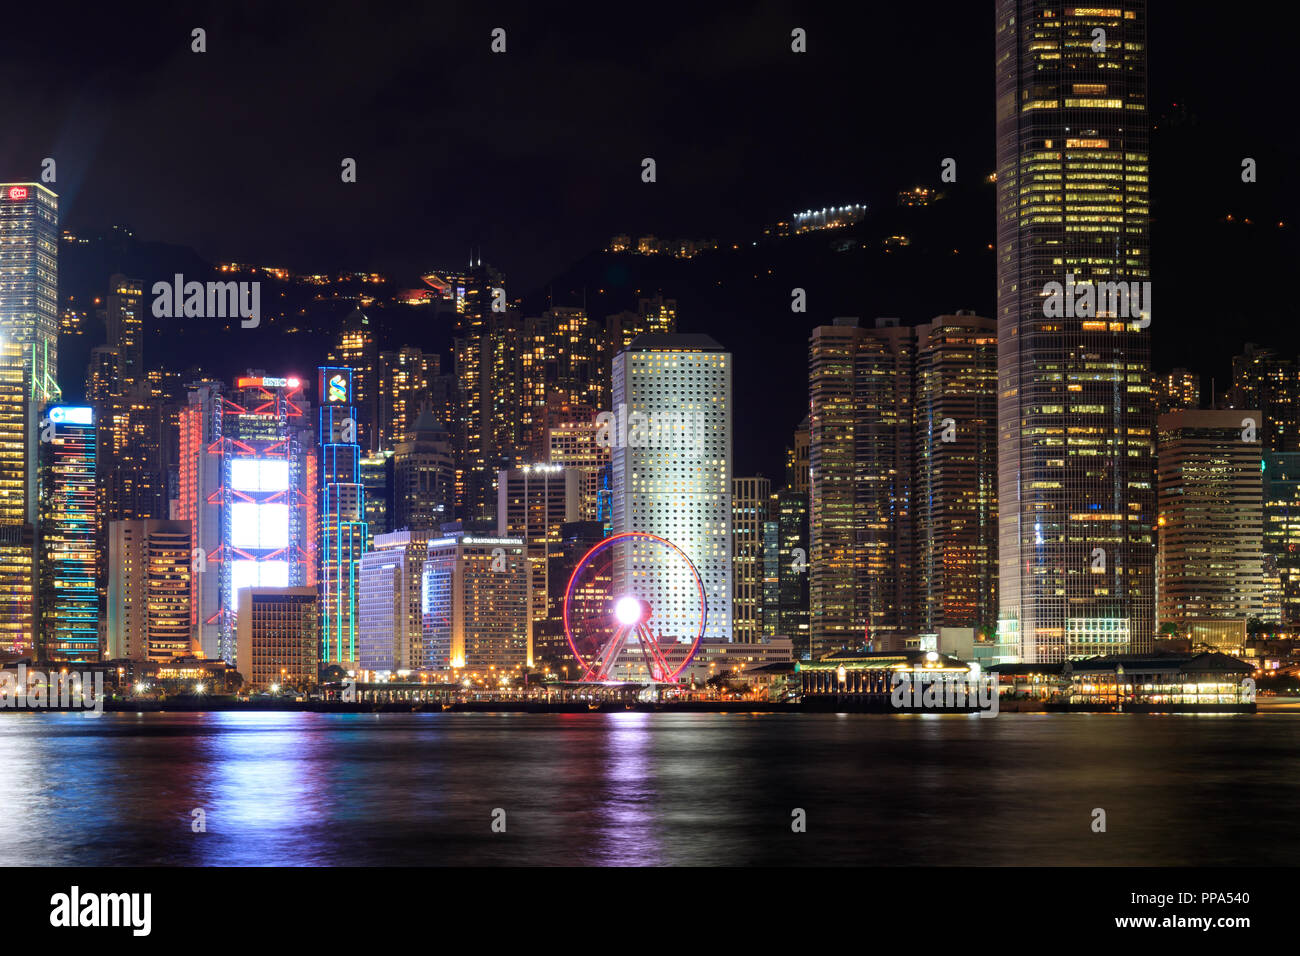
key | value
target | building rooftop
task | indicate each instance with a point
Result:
(884, 660)
(1210, 662)
(674, 342)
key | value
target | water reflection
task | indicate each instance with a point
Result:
(645, 789)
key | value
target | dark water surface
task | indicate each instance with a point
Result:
(647, 789)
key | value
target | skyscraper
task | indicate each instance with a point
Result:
(785, 569)
(561, 361)
(423, 476)
(17, 529)
(1176, 390)
(533, 502)
(1281, 492)
(248, 483)
(750, 500)
(1075, 425)
(672, 469)
(1269, 383)
(278, 639)
(1211, 524)
(125, 316)
(344, 535)
(476, 609)
(861, 463)
(68, 596)
(550, 645)
(358, 351)
(486, 383)
(29, 322)
(390, 629)
(406, 378)
(573, 444)
(956, 479)
(150, 591)
(29, 281)
(377, 479)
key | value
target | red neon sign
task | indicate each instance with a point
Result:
(17, 192)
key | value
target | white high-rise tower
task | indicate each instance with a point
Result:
(669, 435)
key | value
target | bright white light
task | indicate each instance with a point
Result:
(628, 611)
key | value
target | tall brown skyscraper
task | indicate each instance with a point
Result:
(956, 476)
(861, 461)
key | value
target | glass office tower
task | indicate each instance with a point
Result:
(1076, 494)
(29, 222)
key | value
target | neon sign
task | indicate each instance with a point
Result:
(17, 192)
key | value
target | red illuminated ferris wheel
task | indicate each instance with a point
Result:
(610, 607)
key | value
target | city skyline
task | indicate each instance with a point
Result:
(733, 435)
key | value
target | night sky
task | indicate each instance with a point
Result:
(534, 156)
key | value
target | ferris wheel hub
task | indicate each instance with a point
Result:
(630, 611)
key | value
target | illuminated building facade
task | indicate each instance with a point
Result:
(17, 529)
(390, 622)
(248, 484)
(278, 637)
(29, 280)
(653, 316)
(377, 479)
(150, 591)
(423, 476)
(103, 373)
(1211, 519)
(486, 382)
(1281, 492)
(29, 322)
(750, 501)
(125, 316)
(861, 459)
(476, 610)
(672, 478)
(956, 480)
(797, 458)
(561, 363)
(358, 351)
(785, 569)
(550, 646)
(533, 502)
(1176, 391)
(1264, 380)
(573, 444)
(344, 535)
(407, 379)
(69, 599)
(1075, 425)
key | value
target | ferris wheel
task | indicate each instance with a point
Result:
(611, 620)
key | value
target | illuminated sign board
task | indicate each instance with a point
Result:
(335, 385)
(17, 192)
(266, 382)
(72, 415)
